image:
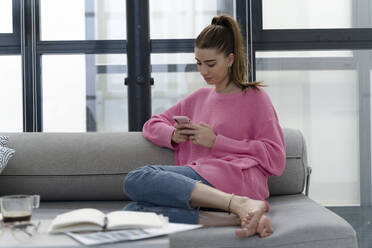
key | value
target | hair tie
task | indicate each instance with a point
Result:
(220, 21)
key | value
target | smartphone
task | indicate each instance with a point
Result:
(181, 119)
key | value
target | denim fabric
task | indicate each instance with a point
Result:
(164, 190)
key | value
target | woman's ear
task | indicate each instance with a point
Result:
(230, 59)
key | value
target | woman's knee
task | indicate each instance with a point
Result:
(134, 179)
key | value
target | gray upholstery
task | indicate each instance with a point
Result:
(68, 169)
(293, 179)
(95, 162)
(297, 221)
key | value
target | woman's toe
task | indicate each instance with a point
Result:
(246, 220)
(241, 233)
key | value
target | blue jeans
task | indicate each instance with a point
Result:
(164, 190)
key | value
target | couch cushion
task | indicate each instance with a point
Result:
(297, 221)
(97, 163)
(293, 179)
(93, 163)
(3, 140)
(5, 154)
(83, 153)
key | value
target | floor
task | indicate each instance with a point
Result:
(361, 219)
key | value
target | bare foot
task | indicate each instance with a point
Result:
(243, 232)
(209, 218)
(250, 212)
(264, 228)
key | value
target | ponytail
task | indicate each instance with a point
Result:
(224, 35)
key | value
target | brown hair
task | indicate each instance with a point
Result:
(224, 35)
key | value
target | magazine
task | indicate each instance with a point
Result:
(96, 238)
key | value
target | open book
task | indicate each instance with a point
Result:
(89, 219)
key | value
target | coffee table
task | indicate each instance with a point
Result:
(43, 240)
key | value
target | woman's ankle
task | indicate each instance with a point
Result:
(209, 218)
(237, 202)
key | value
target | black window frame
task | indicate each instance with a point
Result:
(327, 39)
(249, 15)
(10, 42)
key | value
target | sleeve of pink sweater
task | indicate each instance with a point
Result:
(159, 128)
(266, 149)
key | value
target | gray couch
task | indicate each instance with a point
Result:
(74, 170)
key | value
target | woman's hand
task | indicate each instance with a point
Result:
(201, 134)
(177, 136)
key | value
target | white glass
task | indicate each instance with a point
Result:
(111, 93)
(306, 14)
(323, 105)
(6, 16)
(87, 20)
(80, 92)
(170, 19)
(111, 103)
(11, 100)
(170, 87)
(304, 54)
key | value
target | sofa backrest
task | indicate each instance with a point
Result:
(92, 166)
(293, 179)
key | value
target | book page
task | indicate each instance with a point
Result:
(133, 219)
(81, 216)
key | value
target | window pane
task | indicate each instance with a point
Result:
(175, 76)
(307, 54)
(6, 16)
(87, 95)
(87, 20)
(171, 19)
(11, 112)
(319, 96)
(294, 14)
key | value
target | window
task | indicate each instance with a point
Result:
(11, 101)
(6, 16)
(87, 20)
(317, 93)
(171, 19)
(84, 93)
(314, 14)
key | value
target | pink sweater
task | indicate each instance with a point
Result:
(249, 145)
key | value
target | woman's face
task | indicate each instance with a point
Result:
(214, 66)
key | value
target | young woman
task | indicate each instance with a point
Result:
(225, 155)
